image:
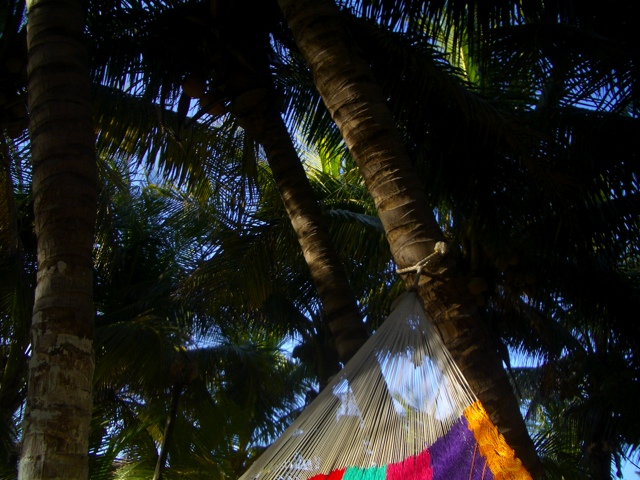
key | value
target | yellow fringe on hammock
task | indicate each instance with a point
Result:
(500, 457)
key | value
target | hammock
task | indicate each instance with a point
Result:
(399, 410)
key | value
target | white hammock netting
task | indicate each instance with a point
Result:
(399, 410)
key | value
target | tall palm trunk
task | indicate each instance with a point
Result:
(262, 121)
(169, 427)
(358, 107)
(59, 397)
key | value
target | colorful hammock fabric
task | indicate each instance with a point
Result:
(473, 449)
(399, 410)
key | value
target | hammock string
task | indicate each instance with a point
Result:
(400, 409)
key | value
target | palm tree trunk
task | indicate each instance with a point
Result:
(59, 397)
(358, 107)
(169, 426)
(262, 121)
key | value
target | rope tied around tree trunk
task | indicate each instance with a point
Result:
(439, 250)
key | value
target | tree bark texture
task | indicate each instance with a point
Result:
(358, 107)
(262, 121)
(59, 398)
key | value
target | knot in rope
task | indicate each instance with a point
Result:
(439, 250)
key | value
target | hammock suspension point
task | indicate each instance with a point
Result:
(440, 250)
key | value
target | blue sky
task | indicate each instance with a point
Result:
(629, 472)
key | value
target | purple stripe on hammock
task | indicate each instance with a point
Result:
(456, 456)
